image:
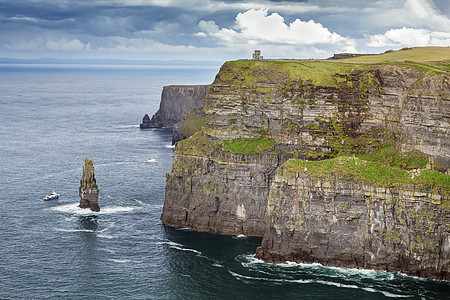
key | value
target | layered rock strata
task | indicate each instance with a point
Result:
(338, 220)
(260, 114)
(177, 102)
(88, 190)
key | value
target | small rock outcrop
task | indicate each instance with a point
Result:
(146, 123)
(88, 190)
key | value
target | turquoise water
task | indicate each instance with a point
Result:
(51, 118)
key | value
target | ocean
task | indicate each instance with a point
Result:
(51, 118)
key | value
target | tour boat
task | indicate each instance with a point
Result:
(151, 160)
(51, 196)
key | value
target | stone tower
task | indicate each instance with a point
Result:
(257, 55)
(88, 190)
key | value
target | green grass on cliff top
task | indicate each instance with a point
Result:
(251, 72)
(416, 54)
(429, 60)
(371, 173)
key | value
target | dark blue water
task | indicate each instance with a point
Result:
(51, 118)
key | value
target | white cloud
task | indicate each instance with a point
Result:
(48, 44)
(258, 27)
(410, 37)
(411, 13)
(66, 45)
(423, 11)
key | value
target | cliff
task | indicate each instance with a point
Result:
(261, 114)
(177, 102)
(88, 190)
(340, 213)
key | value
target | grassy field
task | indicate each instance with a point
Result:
(429, 60)
(433, 60)
(250, 72)
(417, 54)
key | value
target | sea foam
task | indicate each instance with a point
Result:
(74, 209)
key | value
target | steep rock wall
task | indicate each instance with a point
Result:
(258, 115)
(177, 101)
(339, 221)
(213, 190)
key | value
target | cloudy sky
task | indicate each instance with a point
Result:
(217, 30)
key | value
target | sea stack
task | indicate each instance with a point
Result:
(88, 190)
(146, 123)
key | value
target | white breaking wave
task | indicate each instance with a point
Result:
(73, 208)
(303, 281)
(217, 265)
(185, 249)
(367, 273)
(239, 276)
(127, 126)
(170, 146)
(241, 236)
(98, 233)
(105, 236)
(169, 243)
(177, 246)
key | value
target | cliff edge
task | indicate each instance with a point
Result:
(388, 114)
(177, 102)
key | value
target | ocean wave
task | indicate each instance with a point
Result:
(308, 281)
(177, 246)
(168, 243)
(170, 146)
(240, 236)
(75, 230)
(249, 260)
(239, 276)
(185, 249)
(125, 261)
(217, 265)
(71, 230)
(367, 289)
(127, 126)
(105, 236)
(74, 209)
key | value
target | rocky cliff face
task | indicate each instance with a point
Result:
(340, 219)
(177, 101)
(261, 114)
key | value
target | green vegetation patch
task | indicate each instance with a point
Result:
(250, 73)
(416, 54)
(197, 144)
(192, 125)
(388, 155)
(430, 60)
(248, 145)
(371, 173)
